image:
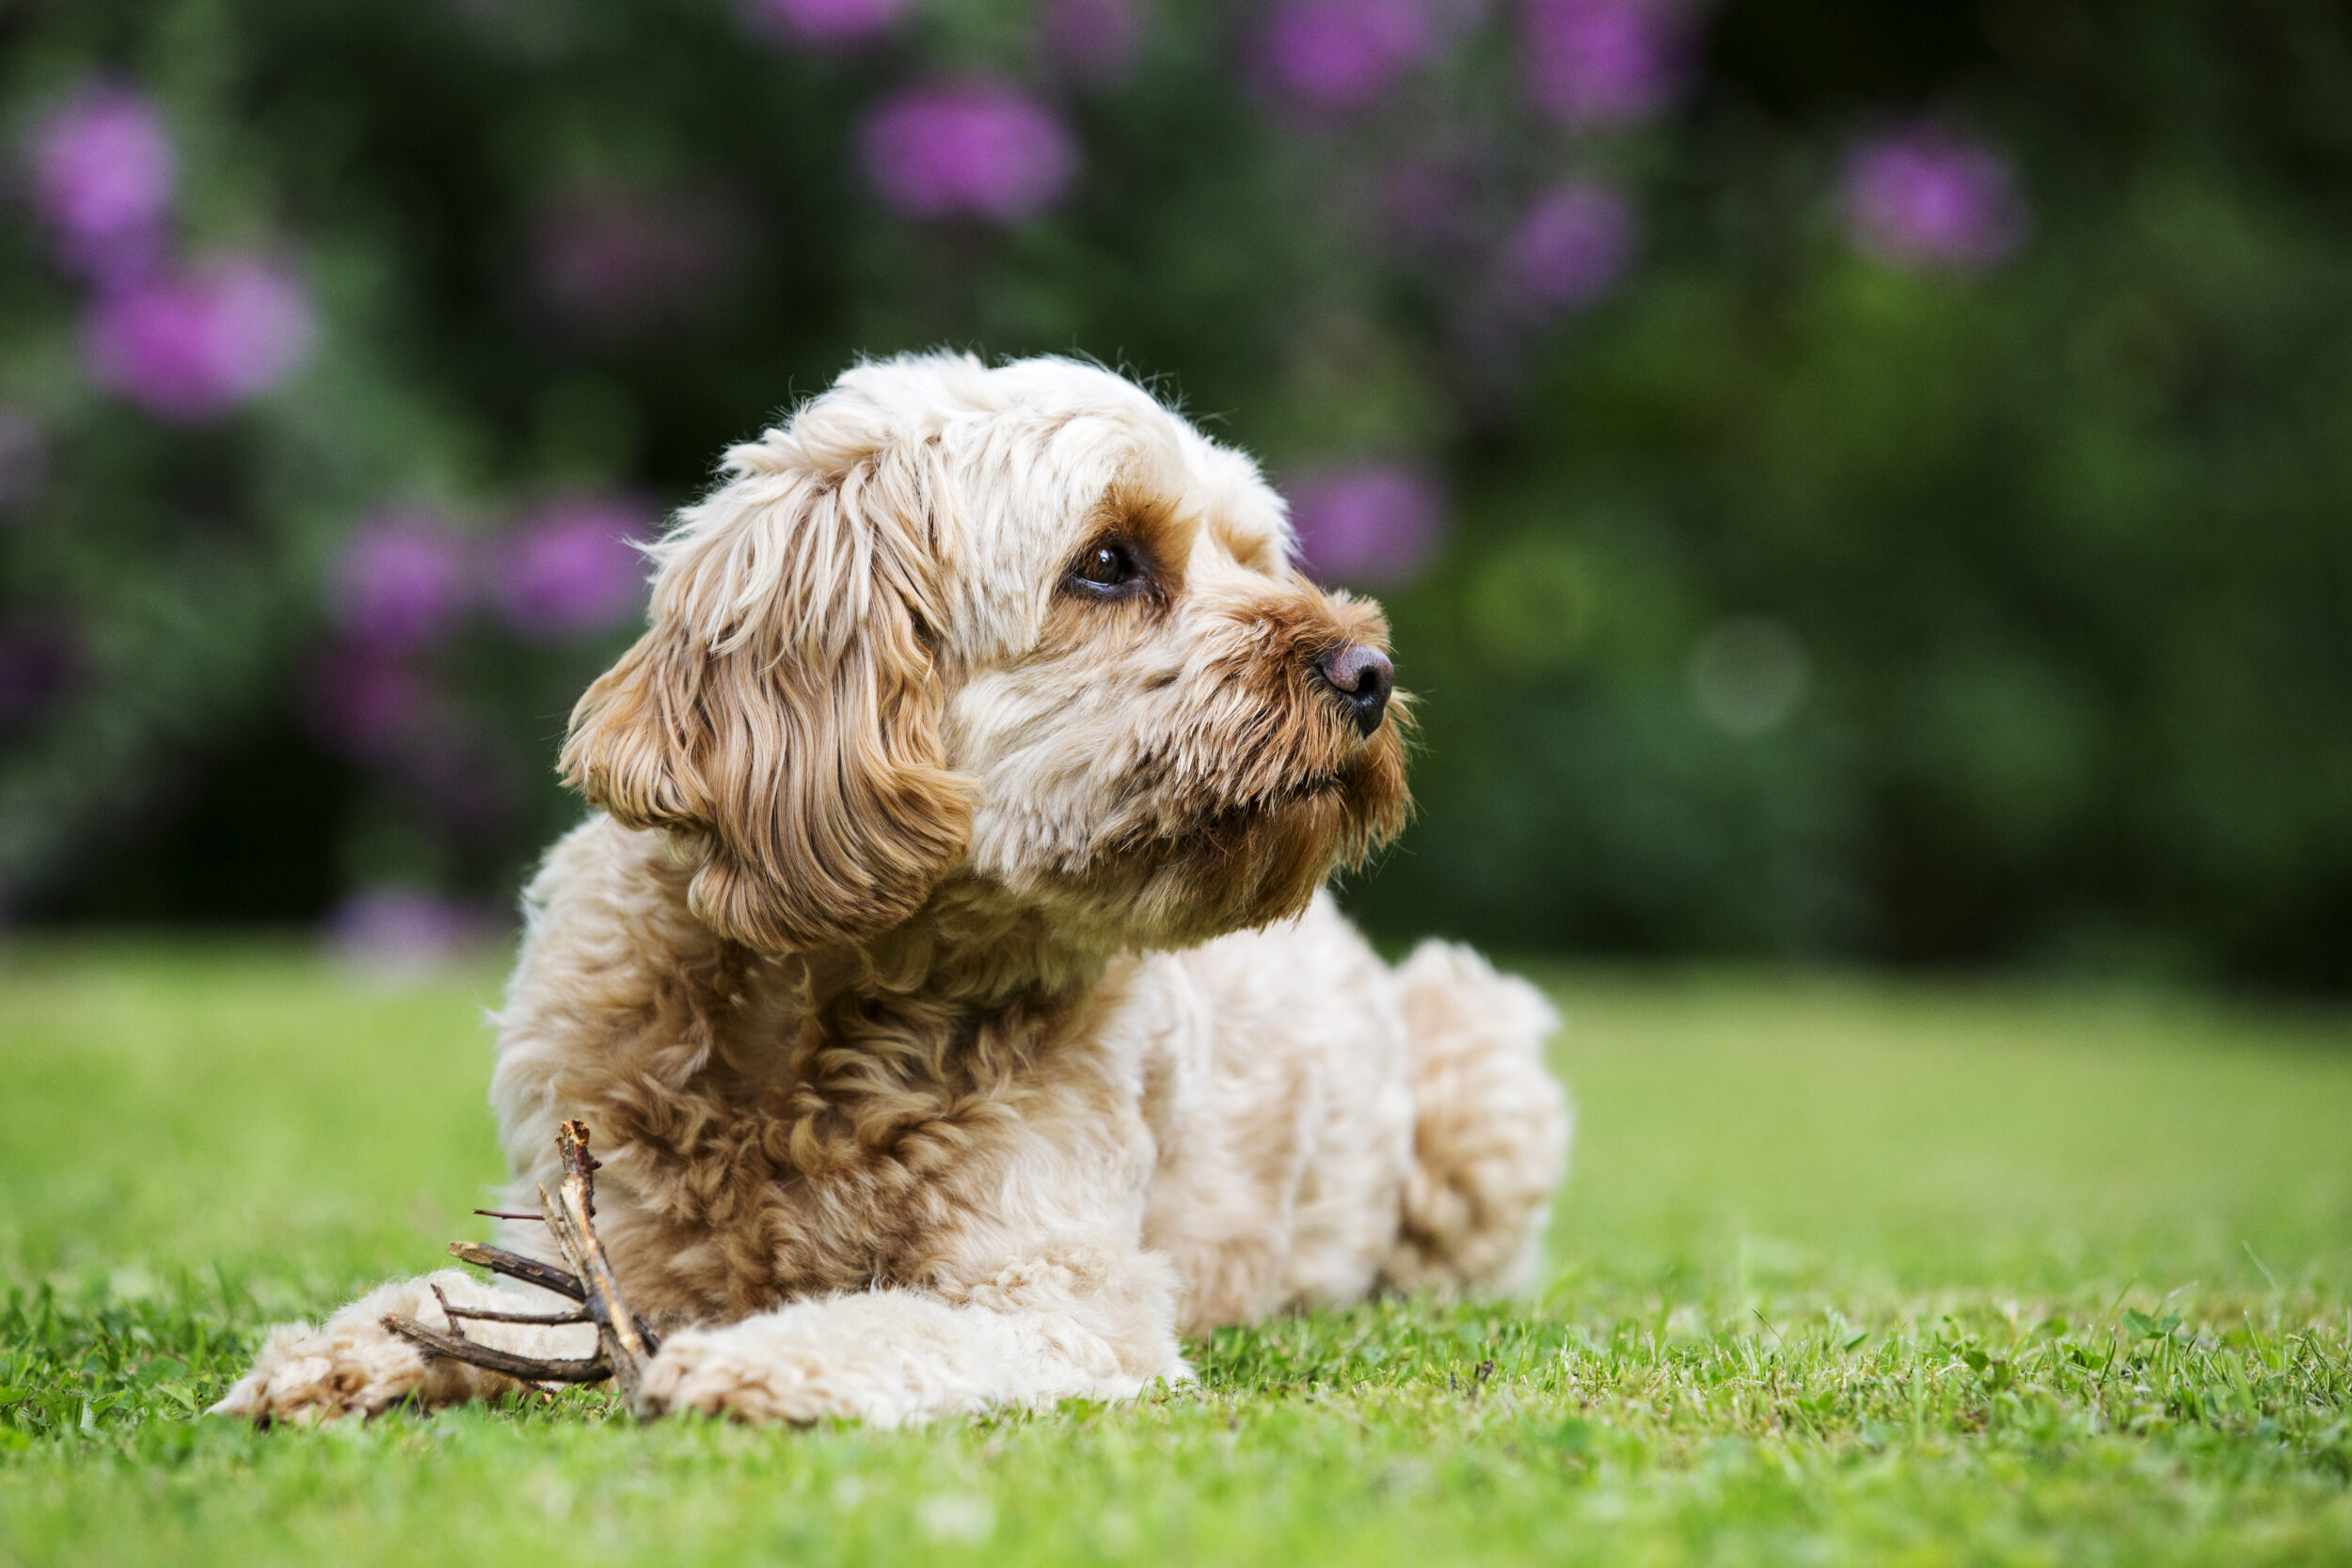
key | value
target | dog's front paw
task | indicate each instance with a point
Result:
(352, 1364)
(732, 1372)
(811, 1363)
(305, 1374)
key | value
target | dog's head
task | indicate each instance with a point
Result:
(1021, 624)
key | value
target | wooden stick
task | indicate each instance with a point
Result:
(625, 1342)
(482, 1314)
(545, 1275)
(507, 1214)
(527, 1369)
(569, 1216)
(514, 1265)
(455, 1326)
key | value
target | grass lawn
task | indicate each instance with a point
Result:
(1846, 1270)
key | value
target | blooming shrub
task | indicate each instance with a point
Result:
(1840, 485)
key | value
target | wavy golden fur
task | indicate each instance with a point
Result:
(946, 971)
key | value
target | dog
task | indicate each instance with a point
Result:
(947, 971)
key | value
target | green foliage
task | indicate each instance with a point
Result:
(1845, 1272)
(2059, 543)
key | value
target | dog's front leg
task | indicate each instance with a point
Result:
(1072, 1323)
(352, 1365)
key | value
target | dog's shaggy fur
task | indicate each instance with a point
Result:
(946, 976)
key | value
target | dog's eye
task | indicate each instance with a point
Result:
(1106, 566)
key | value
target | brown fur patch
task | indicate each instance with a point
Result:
(792, 745)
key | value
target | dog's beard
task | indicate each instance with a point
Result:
(1247, 838)
(1249, 865)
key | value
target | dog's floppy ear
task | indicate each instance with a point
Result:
(781, 717)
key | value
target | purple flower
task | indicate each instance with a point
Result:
(572, 567)
(1569, 250)
(24, 458)
(621, 259)
(1342, 55)
(404, 930)
(968, 148)
(401, 582)
(1922, 196)
(102, 167)
(366, 703)
(825, 24)
(1605, 62)
(192, 345)
(1376, 522)
(1093, 41)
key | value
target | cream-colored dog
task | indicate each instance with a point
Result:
(948, 976)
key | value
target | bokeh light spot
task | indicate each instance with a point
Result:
(191, 345)
(1750, 674)
(968, 150)
(1339, 54)
(1371, 523)
(1923, 196)
(102, 169)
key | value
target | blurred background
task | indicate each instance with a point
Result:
(1862, 480)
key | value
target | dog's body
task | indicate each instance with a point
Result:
(948, 980)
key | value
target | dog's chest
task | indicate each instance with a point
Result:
(873, 1160)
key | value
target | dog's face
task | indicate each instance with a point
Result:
(1021, 624)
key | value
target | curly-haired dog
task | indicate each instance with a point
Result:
(946, 976)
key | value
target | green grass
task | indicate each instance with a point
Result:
(1847, 1271)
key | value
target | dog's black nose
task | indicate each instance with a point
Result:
(1363, 677)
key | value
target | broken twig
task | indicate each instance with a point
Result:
(624, 1341)
(569, 1216)
(482, 1314)
(527, 1369)
(514, 1265)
